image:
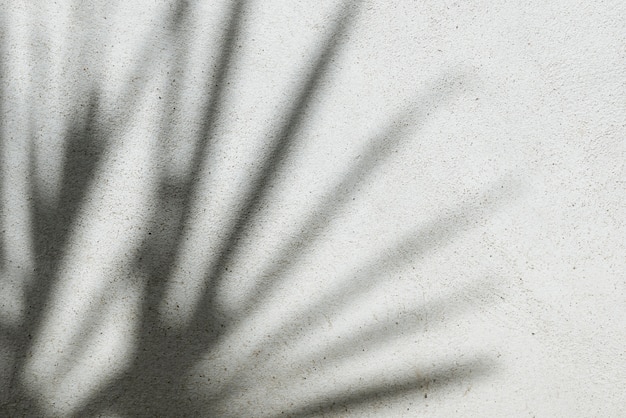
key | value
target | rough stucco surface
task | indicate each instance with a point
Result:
(311, 208)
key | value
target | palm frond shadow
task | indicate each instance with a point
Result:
(51, 224)
(444, 375)
(334, 300)
(155, 383)
(344, 190)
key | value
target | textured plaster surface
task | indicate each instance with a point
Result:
(291, 208)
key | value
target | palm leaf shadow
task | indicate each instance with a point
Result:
(283, 142)
(337, 299)
(86, 145)
(52, 221)
(154, 383)
(374, 156)
(435, 380)
(160, 346)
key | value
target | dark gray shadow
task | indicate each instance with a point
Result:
(51, 224)
(154, 384)
(164, 361)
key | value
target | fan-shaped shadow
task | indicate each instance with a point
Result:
(155, 383)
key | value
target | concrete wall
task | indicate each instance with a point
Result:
(272, 208)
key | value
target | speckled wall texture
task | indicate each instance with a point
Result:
(312, 208)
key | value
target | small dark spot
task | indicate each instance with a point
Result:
(425, 395)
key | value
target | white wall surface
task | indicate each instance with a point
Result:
(291, 208)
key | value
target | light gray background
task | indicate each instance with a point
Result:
(378, 208)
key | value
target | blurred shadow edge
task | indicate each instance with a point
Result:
(380, 395)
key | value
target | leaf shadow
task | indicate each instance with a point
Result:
(155, 383)
(416, 387)
(52, 221)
